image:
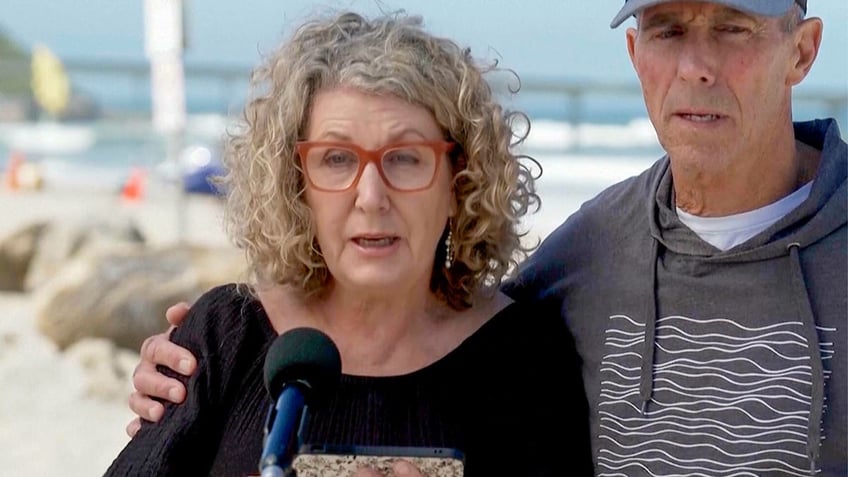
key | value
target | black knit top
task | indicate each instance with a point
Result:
(510, 397)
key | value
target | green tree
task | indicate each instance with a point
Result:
(14, 68)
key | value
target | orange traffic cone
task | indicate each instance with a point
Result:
(133, 190)
(13, 169)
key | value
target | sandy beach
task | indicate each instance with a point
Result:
(53, 419)
(49, 425)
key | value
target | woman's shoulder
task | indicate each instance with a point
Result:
(517, 332)
(225, 312)
(522, 319)
(225, 297)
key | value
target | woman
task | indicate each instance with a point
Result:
(376, 197)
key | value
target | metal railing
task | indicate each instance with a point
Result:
(231, 80)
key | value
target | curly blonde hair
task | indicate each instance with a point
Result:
(266, 214)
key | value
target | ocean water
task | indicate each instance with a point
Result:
(99, 154)
(577, 160)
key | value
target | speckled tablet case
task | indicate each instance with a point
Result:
(341, 462)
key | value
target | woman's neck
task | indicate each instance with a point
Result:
(380, 338)
(375, 337)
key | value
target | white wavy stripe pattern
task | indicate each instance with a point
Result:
(692, 424)
(728, 400)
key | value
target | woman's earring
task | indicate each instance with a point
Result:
(449, 247)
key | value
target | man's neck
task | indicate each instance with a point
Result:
(752, 185)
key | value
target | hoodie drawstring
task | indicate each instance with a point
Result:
(817, 372)
(646, 382)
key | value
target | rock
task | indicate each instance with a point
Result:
(33, 254)
(61, 241)
(122, 296)
(16, 253)
(107, 368)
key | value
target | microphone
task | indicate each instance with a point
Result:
(301, 365)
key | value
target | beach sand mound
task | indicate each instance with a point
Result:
(64, 412)
(60, 413)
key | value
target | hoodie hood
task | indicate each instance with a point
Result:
(822, 213)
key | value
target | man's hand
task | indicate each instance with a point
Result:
(149, 383)
(401, 468)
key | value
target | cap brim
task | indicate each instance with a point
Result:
(630, 8)
(769, 8)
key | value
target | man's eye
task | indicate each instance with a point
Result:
(669, 34)
(731, 29)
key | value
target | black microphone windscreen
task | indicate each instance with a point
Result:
(303, 354)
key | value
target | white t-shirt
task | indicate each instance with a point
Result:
(727, 232)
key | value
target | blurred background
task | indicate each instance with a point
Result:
(577, 83)
(107, 215)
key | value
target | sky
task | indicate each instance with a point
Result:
(558, 39)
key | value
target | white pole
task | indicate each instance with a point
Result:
(163, 34)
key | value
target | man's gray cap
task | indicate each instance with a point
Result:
(769, 8)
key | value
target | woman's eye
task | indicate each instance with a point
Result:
(339, 158)
(401, 157)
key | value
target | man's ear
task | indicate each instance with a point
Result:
(631, 44)
(807, 40)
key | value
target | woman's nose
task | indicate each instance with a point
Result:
(371, 191)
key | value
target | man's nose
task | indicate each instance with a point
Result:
(697, 61)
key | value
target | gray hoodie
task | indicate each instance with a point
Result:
(698, 361)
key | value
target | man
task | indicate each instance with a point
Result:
(708, 297)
